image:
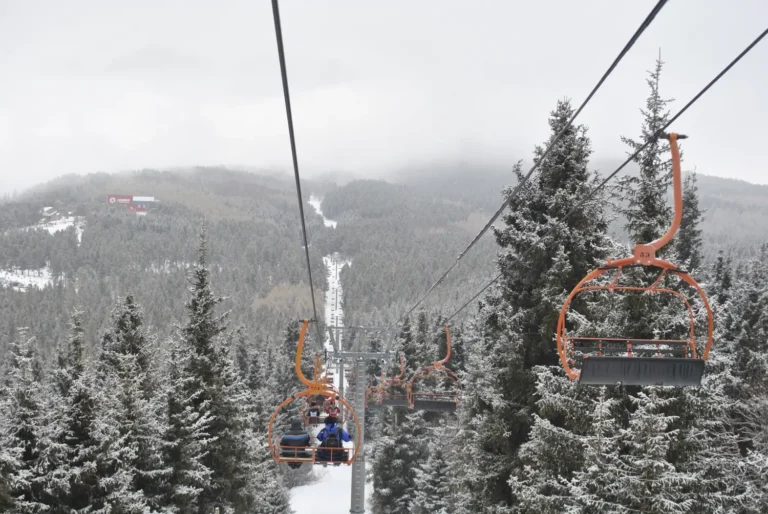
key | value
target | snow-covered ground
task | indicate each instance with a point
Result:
(315, 202)
(332, 493)
(23, 281)
(62, 224)
(40, 278)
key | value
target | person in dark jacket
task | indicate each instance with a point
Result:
(314, 413)
(297, 437)
(332, 436)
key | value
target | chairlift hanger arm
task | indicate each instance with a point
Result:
(646, 253)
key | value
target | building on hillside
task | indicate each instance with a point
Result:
(121, 199)
(138, 204)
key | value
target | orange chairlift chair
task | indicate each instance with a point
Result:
(381, 394)
(309, 454)
(439, 401)
(324, 379)
(611, 360)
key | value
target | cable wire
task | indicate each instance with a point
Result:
(629, 159)
(287, 96)
(644, 25)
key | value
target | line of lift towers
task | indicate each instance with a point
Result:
(590, 359)
(354, 413)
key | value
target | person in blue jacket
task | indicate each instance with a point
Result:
(331, 437)
(298, 438)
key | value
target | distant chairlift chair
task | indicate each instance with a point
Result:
(437, 401)
(381, 395)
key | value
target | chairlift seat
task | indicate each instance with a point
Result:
(435, 405)
(641, 371)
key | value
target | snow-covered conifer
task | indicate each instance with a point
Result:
(399, 448)
(649, 482)
(646, 209)
(513, 330)
(594, 488)
(432, 492)
(130, 410)
(22, 437)
(688, 238)
(186, 441)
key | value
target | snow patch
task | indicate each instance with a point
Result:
(168, 266)
(60, 225)
(315, 203)
(21, 281)
(329, 495)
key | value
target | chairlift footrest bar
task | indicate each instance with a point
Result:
(395, 402)
(641, 371)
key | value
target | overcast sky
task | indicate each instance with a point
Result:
(377, 85)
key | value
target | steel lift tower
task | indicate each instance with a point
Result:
(359, 360)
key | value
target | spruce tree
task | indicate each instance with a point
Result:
(77, 420)
(553, 453)
(432, 484)
(398, 447)
(131, 408)
(186, 440)
(649, 482)
(749, 390)
(398, 450)
(22, 437)
(688, 238)
(709, 447)
(722, 280)
(646, 209)
(117, 449)
(594, 488)
(218, 398)
(516, 319)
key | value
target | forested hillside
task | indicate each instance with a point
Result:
(119, 358)
(400, 238)
(256, 253)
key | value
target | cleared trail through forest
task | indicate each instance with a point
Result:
(332, 492)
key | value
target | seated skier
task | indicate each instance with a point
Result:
(332, 409)
(331, 437)
(313, 413)
(298, 438)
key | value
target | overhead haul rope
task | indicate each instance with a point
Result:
(629, 159)
(288, 113)
(646, 23)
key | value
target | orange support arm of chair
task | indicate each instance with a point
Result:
(646, 253)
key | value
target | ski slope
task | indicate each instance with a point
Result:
(315, 203)
(62, 224)
(332, 493)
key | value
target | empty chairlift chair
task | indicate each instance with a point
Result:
(391, 392)
(640, 362)
(435, 400)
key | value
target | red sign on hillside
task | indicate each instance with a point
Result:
(121, 199)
